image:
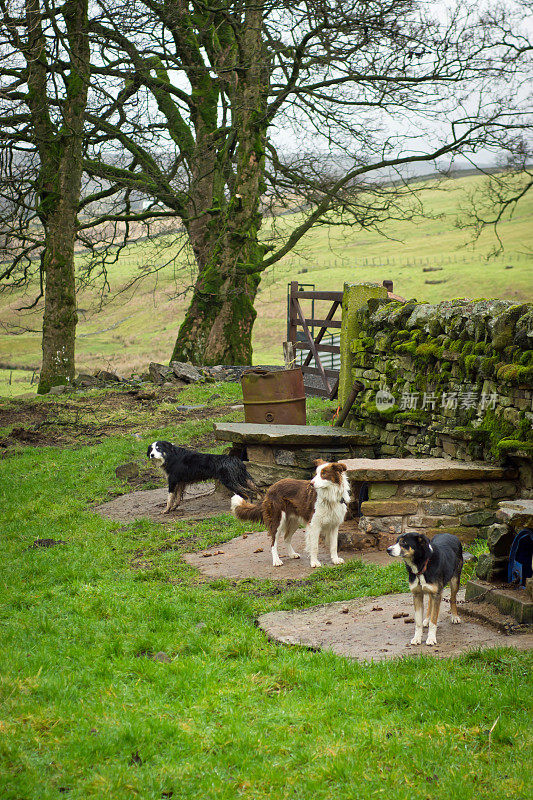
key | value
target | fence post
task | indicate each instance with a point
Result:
(291, 333)
(289, 355)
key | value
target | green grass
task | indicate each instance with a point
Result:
(140, 326)
(86, 714)
(14, 382)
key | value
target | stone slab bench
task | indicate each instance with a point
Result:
(273, 452)
(421, 469)
(295, 435)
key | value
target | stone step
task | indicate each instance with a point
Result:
(421, 469)
(517, 513)
(491, 615)
(296, 435)
(513, 601)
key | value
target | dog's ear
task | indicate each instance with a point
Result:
(422, 539)
(341, 466)
(318, 461)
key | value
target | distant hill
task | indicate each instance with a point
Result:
(139, 325)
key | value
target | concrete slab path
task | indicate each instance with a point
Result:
(380, 628)
(249, 556)
(200, 501)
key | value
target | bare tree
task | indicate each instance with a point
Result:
(496, 197)
(195, 91)
(45, 71)
(222, 112)
(495, 200)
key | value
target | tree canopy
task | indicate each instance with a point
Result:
(219, 113)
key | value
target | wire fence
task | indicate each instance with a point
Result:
(279, 272)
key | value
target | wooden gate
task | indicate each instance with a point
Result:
(329, 377)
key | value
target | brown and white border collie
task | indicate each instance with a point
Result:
(319, 505)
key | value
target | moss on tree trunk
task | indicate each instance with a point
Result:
(60, 317)
(218, 324)
(60, 152)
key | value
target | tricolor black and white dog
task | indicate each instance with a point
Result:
(184, 466)
(431, 565)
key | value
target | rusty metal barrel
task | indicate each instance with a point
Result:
(276, 398)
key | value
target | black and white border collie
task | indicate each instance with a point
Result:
(319, 505)
(184, 466)
(430, 566)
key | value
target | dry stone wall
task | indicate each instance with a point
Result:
(453, 379)
(464, 508)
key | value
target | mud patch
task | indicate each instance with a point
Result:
(76, 420)
(249, 556)
(45, 543)
(380, 628)
(200, 501)
(139, 476)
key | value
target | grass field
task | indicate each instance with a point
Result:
(86, 713)
(139, 326)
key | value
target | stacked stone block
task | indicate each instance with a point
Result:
(490, 584)
(510, 518)
(459, 376)
(466, 509)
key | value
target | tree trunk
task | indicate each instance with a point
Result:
(60, 317)
(218, 324)
(61, 170)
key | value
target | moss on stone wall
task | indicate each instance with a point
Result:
(461, 373)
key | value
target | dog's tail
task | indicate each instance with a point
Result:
(244, 510)
(245, 479)
(232, 472)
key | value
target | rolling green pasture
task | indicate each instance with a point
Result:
(87, 713)
(15, 382)
(139, 325)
